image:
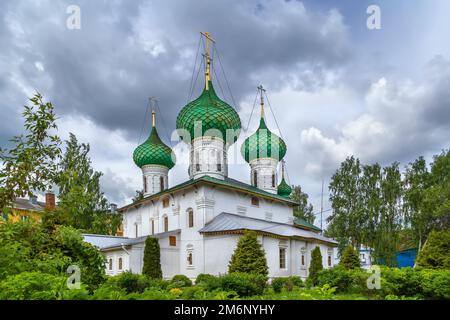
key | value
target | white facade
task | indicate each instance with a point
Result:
(177, 218)
(263, 174)
(208, 156)
(155, 179)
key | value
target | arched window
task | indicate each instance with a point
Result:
(303, 259)
(197, 161)
(120, 263)
(219, 164)
(329, 261)
(273, 180)
(190, 255)
(255, 178)
(110, 264)
(166, 223)
(190, 216)
(161, 183)
(145, 183)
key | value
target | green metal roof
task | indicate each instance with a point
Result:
(212, 113)
(263, 144)
(284, 189)
(228, 182)
(303, 223)
(153, 151)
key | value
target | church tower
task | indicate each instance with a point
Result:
(210, 126)
(155, 160)
(263, 150)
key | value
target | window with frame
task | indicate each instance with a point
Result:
(329, 261)
(166, 202)
(255, 178)
(144, 181)
(197, 162)
(219, 164)
(161, 183)
(190, 218)
(255, 201)
(273, 180)
(303, 259)
(166, 223)
(190, 255)
(172, 241)
(120, 264)
(282, 258)
(110, 266)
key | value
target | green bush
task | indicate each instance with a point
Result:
(208, 282)
(249, 256)
(315, 266)
(436, 252)
(130, 282)
(109, 292)
(203, 277)
(180, 281)
(152, 259)
(436, 284)
(244, 284)
(288, 283)
(38, 286)
(350, 258)
(158, 284)
(344, 280)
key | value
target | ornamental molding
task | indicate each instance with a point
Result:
(204, 203)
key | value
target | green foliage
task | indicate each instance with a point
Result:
(180, 281)
(249, 256)
(315, 266)
(31, 164)
(130, 282)
(244, 284)
(28, 246)
(304, 209)
(287, 283)
(152, 258)
(39, 286)
(350, 258)
(436, 251)
(80, 197)
(207, 281)
(344, 280)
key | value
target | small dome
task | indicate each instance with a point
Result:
(263, 144)
(284, 189)
(153, 151)
(212, 112)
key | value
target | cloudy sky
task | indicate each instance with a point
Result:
(336, 88)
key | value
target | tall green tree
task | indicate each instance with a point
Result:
(31, 163)
(315, 266)
(346, 222)
(416, 181)
(304, 209)
(152, 259)
(350, 258)
(249, 256)
(80, 196)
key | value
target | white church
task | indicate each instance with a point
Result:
(199, 221)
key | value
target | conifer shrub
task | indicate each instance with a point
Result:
(435, 253)
(152, 259)
(315, 266)
(350, 258)
(249, 256)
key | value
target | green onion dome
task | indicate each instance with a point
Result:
(284, 189)
(213, 113)
(263, 144)
(153, 151)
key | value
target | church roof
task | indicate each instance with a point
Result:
(226, 183)
(303, 223)
(233, 223)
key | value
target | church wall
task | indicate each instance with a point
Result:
(115, 256)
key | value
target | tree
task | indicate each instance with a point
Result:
(138, 196)
(303, 210)
(31, 164)
(346, 221)
(350, 258)
(315, 266)
(81, 198)
(249, 256)
(152, 258)
(436, 251)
